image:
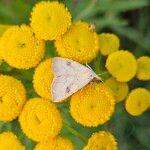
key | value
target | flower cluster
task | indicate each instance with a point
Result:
(8, 140)
(12, 98)
(56, 143)
(42, 116)
(81, 48)
(20, 48)
(23, 47)
(95, 100)
(101, 140)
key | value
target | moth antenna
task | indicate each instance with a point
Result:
(89, 66)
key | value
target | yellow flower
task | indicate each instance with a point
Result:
(143, 72)
(138, 101)
(79, 43)
(40, 119)
(57, 143)
(20, 48)
(122, 65)
(93, 105)
(102, 140)
(50, 20)
(3, 28)
(9, 141)
(42, 79)
(120, 89)
(12, 97)
(109, 43)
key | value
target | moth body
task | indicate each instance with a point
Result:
(69, 77)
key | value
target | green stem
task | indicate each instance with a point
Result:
(21, 137)
(74, 132)
(97, 64)
(103, 73)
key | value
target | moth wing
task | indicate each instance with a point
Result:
(60, 89)
(61, 66)
(69, 77)
(65, 86)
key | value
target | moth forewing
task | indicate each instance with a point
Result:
(69, 77)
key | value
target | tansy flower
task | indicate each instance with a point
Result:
(3, 28)
(79, 43)
(122, 65)
(40, 119)
(57, 143)
(50, 20)
(42, 79)
(102, 140)
(93, 105)
(12, 97)
(143, 72)
(120, 89)
(109, 43)
(9, 141)
(20, 48)
(138, 101)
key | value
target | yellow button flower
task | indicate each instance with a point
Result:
(138, 101)
(122, 65)
(120, 89)
(3, 28)
(95, 99)
(79, 43)
(12, 97)
(102, 140)
(143, 72)
(57, 143)
(9, 141)
(20, 48)
(40, 119)
(42, 79)
(109, 43)
(50, 20)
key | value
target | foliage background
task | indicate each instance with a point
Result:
(130, 20)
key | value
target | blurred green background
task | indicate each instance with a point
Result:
(130, 20)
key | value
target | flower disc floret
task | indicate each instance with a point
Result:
(3, 28)
(100, 141)
(109, 43)
(120, 89)
(122, 65)
(138, 101)
(50, 20)
(12, 98)
(40, 119)
(20, 48)
(143, 71)
(95, 99)
(9, 141)
(42, 79)
(57, 143)
(79, 43)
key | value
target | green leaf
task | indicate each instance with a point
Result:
(133, 35)
(120, 5)
(109, 22)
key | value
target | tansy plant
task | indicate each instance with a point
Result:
(34, 121)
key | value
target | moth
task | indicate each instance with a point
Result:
(69, 77)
